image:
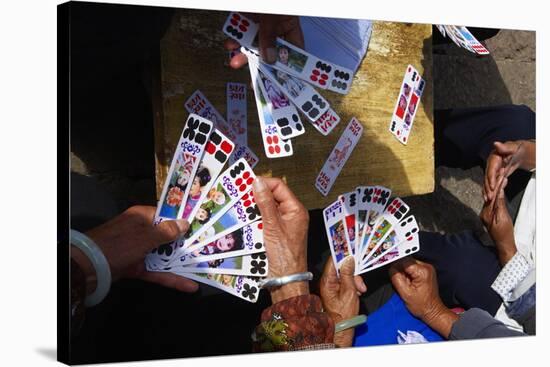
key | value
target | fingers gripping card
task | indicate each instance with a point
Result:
(339, 156)
(236, 110)
(240, 286)
(333, 217)
(184, 165)
(241, 241)
(217, 151)
(327, 122)
(241, 29)
(284, 114)
(229, 187)
(274, 146)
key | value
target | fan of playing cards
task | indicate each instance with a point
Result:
(224, 245)
(286, 87)
(366, 224)
(462, 37)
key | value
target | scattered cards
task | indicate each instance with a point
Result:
(462, 37)
(360, 224)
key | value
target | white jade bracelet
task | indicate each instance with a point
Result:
(101, 266)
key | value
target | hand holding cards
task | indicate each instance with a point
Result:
(224, 245)
(367, 225)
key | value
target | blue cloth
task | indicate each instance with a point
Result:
(382, 325)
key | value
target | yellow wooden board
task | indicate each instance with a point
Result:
(192, 57)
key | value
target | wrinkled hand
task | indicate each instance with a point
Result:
(285, 222)
(270, 27)
(126, 240)
(340, 296)
(416, 283)
(504, 160)
(499, 224)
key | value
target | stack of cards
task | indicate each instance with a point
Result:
(371, 227)
(407, 103)
(224, 246)
(462, 37)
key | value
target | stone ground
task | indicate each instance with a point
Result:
(460, 80)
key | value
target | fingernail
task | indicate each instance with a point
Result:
(183, 225)
(270, 55)
(258, 185)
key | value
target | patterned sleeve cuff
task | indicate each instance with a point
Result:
(510, 276)
(297, 323)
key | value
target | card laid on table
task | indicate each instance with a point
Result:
(409, 80)
(244, 287)
(334, 219)
(339, 156)
(229, 187)
(184, 165)
(217, 151)
(404, 131)
(326, 122)
(284, 114)
(236, 110)
(274, 146)
(476, 46)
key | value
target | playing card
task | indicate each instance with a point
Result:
(349, 203)
(405, 92)
(333, 216)
(338, 156)
(301, 94)
(217, 151)
(241, 29)
(475, 45)
(244, 211)
(184, 165)
(245, 240)
(229, 187)
(236, 110)
(393, 213)
(326, 122)
(274, 146)
(372, 202)
(403, 133)
(251, 265)
(244, 287)
(402, 232)
(199, 104)
(340, 80)
(405, 248)
(284, 114)
(441, 29)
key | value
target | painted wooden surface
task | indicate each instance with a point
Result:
(192, 57)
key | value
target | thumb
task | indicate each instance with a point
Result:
(504, 148)
(168, 231)
(347, 278)
(265, 201)
(399, 280)
(266, 36)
